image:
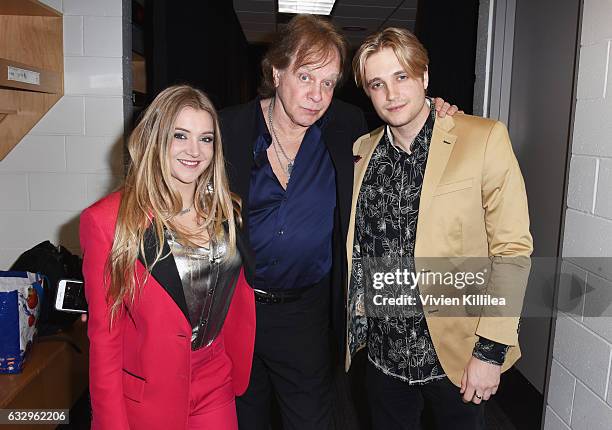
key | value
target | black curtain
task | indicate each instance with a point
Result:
(200, 43)
(448, 30)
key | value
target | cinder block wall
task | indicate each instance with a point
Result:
(580, 391)
(72, 157)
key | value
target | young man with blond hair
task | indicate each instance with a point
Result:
(431, 193)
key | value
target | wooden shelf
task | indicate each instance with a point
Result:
(46, 81)
(54, 376)
(31, 67)
(25, 8)
(5, 112)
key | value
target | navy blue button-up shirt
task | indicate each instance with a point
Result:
(291, 230)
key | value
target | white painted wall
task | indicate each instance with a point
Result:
(72, 157)
(580, 391)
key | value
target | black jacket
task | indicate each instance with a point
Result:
(345, 123)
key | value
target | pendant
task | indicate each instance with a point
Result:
(289, 168)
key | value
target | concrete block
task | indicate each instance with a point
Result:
(13, 192)
(561, 391)
(590, 411)
(23, 230)
(586, 235)
(93, 7)
(603, 199)
(581, 187)
(104, 117)
(553, 422)
(36, 154)
(58, 192)
(73, 35)
(103, 36)
(572, 287)
(581, 352)
(93, 154)
(99, 186)
(592, 71)
(592, 130)
(93, 76)
(596, 19)
(598, 306)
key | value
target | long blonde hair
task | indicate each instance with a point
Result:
(148, 197)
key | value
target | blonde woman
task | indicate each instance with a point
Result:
(171, 317)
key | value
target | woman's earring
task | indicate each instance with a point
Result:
(209, 188)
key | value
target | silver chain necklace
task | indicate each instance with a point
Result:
(186, 210)
(290, 161)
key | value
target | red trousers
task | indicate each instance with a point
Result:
(211, 396)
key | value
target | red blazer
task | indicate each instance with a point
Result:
(139, 371)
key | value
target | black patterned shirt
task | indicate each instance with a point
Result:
(385, 235)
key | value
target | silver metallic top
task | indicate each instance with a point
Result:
(209, 277)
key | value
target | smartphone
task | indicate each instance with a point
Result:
(70, 296)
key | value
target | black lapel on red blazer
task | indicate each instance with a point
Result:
(164, 271)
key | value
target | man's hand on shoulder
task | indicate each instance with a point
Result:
(444, 108)
(480, 380)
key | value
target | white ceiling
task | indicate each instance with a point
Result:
(258, 17)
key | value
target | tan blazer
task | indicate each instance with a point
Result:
(473, 204)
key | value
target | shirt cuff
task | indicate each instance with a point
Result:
(490, 351)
